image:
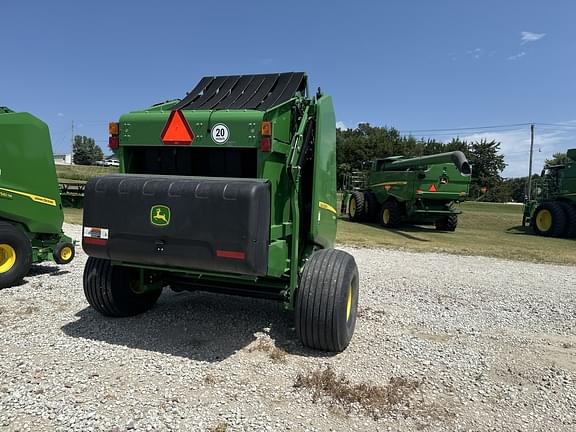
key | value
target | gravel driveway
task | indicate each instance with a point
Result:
(443, 342)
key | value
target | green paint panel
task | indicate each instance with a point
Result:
(323, 217)
(145, 128)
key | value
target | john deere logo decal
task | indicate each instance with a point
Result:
(160, 215)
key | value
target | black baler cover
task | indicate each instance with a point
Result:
(259, 92)
(215, 224)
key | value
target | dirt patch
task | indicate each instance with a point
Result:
(220, 427)
(267, 346)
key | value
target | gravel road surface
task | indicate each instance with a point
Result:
(443, 342)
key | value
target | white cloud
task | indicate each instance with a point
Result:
(515, 146)
(476, 53)
(60, 114)
(526, 37)
(517, 56)
(341, 125)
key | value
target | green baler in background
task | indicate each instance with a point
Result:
(232, 190)
(552, 212)
(421, 190)
(30, 209)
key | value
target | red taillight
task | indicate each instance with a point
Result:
(266, 144)
(113, 143)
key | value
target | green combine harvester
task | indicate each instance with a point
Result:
(552, 212)
(231, 190)
(422, 190)
(30, 209)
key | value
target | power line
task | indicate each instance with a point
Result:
(560, 125)
(448, 130)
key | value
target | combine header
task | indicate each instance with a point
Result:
(421, 190)
(232, 190)
(30, 209)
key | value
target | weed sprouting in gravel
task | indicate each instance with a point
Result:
(278, 355)
(374, 399)
(210, 379)
(220, 427)
(28, 310)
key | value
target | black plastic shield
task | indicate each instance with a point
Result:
(197, 223)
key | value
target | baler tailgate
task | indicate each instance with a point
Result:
(210, 224)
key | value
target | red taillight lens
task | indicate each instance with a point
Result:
(266, 144)
(113, 143)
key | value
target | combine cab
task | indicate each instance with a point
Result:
(553, 212)
(232, 190)
(30, 209)
(421, 190)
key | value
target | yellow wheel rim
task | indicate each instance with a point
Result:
(386, 216)
(353, 207)
(7, 257)
(544, 220)
(349, 303)
(66, 253)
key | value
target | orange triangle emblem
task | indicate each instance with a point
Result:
(177, 131)
(432, 188)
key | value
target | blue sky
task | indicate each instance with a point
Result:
(415, 65)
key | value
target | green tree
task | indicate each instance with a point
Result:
(557, 159)
(487, 165)
(85, 151)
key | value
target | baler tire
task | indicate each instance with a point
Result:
(570, 211)
(63, 253)
(356, 211)
(390, 214)
(327, 300)
(448, 223)
(15, 255)
(549, 220)
(108, 289)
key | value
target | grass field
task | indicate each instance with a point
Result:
(73, 215)
(82, 172)
(483, 229)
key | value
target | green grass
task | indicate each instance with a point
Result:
(73, 216)
(82, 172)
(483, 229)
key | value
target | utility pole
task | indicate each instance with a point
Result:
(530, 166)
(72, 143)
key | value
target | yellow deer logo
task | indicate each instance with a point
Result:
(160, 215)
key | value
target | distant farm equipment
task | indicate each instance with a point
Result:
(552, 212)
(30, 208)
(422, 190)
